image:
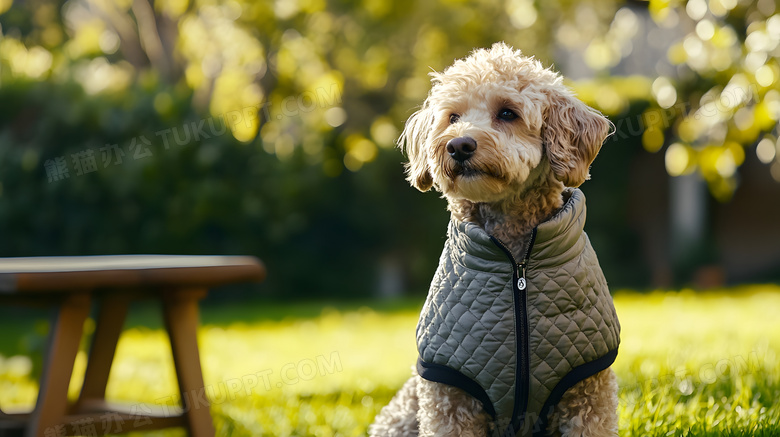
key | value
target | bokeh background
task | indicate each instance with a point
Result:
(268, 128)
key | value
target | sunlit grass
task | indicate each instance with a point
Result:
(689, 365)
(700, 364)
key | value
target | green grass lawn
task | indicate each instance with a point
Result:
(689, 365)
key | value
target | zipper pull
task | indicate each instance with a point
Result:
(521, 282)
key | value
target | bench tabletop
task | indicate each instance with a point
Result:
(74, 273)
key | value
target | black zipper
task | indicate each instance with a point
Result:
(520, 288)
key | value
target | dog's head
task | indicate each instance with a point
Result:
(491, 120)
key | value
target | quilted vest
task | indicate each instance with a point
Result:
(516, 334)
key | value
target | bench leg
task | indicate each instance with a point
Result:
(180, 309)
(52, 405)
(108, 328)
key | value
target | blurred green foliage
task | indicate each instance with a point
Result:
(268, 127)
(232, 127)
(724, 98)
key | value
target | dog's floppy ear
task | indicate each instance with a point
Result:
(572, 134)
(412, 143)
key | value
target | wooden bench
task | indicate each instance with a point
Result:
(72, 284)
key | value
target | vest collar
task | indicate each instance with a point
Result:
(554, 238)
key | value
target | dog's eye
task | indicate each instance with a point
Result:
(454, 118)
(506, 115)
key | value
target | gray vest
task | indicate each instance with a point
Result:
(517, 333)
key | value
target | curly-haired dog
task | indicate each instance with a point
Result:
(518, 332)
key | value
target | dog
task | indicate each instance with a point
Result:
(518, 333)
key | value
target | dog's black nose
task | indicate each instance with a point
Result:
(461, 148)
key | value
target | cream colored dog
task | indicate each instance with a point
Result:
(500, 137)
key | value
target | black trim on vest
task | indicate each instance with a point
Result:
(576, 375)
(446, 375)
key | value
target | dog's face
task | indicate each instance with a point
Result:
(493, 122)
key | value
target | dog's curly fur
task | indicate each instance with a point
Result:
(513, 181)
